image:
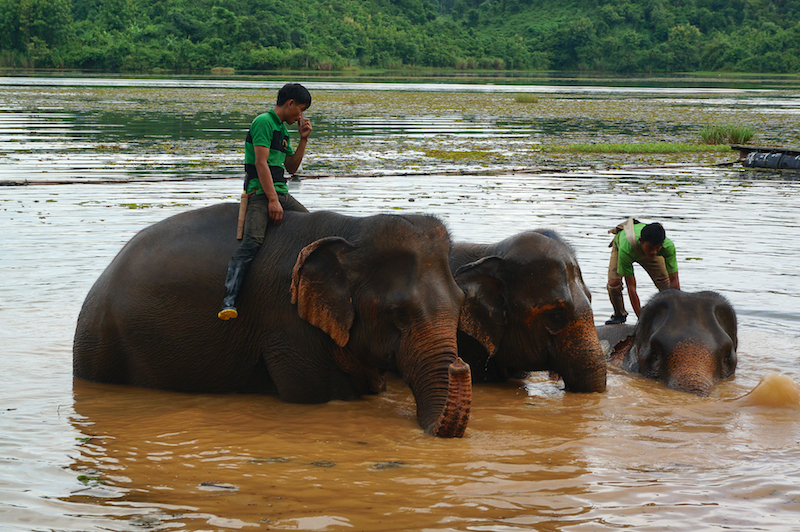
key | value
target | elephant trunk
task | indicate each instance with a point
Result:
(583, 363)
(691, 368)
(442, 385)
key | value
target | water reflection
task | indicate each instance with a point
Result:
(199, 460)
(574, 86)
(80, 456)
(62, 129)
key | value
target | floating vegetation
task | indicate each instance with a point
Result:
(90, 480)
(525, 97)
(389, 464)
(460, 155)
(271, 460)
(727, 134)
(137, 205)
(197, 132)
(643, 147)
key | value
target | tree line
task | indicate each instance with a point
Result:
(254, 35)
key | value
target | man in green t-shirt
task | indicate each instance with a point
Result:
(268, 155)
(648, 245)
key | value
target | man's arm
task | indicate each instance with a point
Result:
(630, 282)
(265, 178)
(674, 282)
(292, 162)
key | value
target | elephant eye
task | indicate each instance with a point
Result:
(556, 320)
(652, 363)
(400, 316)
(729, 361)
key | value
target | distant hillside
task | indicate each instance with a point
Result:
(590, 35)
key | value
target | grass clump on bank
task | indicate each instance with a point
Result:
(524, 97)
(727, 134)
(644, 147)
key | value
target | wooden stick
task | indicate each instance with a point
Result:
(242, 213)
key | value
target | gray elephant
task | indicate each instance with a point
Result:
(687, 340)
(527, 309)
(330, 304)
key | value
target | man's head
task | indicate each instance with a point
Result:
(296, 92)
(652, 238)
(293, 100)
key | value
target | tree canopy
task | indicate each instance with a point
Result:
(250, 35)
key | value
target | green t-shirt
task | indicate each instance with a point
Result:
(627, 255)
(267, 130)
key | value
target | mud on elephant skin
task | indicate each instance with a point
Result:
(687, 340)
(330, 303)
(527, 309)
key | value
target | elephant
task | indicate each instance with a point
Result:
(330, 304)
(527, 309)
(687, 340)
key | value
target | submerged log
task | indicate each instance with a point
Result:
(768, 157)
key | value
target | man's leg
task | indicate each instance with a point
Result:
(657, 270)
(289, 203)
(255, 226)
(614, 288)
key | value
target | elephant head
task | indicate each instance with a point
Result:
(527, 309)
(390, 302)
(687, 340)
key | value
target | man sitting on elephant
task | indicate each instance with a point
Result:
(267, 155)
(648, 245)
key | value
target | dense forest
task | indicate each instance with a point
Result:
(251, 35)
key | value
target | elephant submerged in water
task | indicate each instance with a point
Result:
(687, 340)
(331, 303)
(527, 309)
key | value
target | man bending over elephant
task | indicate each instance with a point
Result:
(648, 245)
(267, 156)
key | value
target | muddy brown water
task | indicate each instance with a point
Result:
(80, 456)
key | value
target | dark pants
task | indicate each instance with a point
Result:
(256, 221)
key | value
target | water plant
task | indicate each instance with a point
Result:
(524, 97)
(640, 147)
(726, 134)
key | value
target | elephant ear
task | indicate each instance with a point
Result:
(321, 290)
(483, 314)
(617, 354)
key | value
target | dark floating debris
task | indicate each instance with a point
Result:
(387, 465)
(270, 460)
(213, 485)
(768, 157)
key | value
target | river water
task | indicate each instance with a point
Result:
(79, 456)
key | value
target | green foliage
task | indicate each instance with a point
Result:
(595, 35)
(727, 134)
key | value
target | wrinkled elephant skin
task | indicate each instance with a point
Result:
(329, 305)
(527, 309)
(687, 340)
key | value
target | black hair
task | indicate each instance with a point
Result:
(653, 233)
(296, 92)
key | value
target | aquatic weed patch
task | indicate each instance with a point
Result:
(174, 132)
(636, 148)
(730, 134)
(461, 155)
